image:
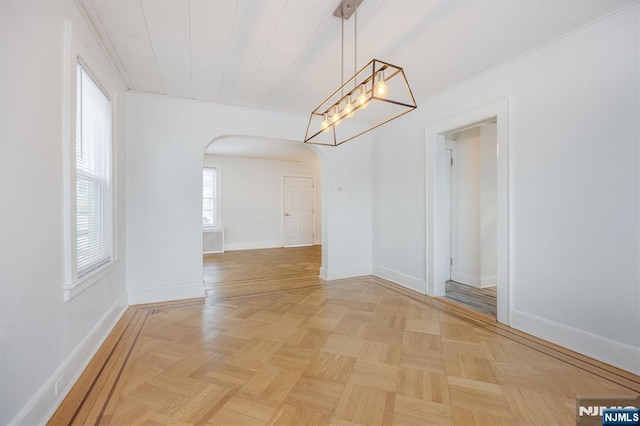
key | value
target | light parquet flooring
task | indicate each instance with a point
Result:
(361, 351)
(244, 272)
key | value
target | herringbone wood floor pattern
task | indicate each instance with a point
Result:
(357, 351)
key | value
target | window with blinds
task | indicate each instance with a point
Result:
(94, 229)
(209, 197)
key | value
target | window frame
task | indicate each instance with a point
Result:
(218, 205)
(77, 53)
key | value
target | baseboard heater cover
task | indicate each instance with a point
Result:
(213, 241)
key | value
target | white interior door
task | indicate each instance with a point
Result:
(299, 226)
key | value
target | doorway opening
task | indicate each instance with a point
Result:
(460, 220)
(261, 215)
(470, 194)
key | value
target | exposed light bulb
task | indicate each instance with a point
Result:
(362, 101)
(325, 123)
(335, 118)
(348, 108)
(381, 89)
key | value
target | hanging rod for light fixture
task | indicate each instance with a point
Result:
(380, 84)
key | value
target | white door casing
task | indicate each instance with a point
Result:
(448, 204)
(299, 211)
(436, 233)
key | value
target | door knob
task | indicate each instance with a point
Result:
(287, 214)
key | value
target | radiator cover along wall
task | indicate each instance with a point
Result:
(213, 241)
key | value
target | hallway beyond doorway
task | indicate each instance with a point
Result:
(483, 300)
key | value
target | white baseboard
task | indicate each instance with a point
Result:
(346, 272)
(252, 245)
(166, 294)
(473, 281)
(43, 404)
(488, 281)
(324, 273)
(462, 278)
(408, 281)
(609, 351)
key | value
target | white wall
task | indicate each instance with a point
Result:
(167, 139)
(573, 187)
(488, 205)
(41, 335)
(346, 209)
(252, 203)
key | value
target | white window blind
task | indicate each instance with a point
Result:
(209, 196)
(94, 230)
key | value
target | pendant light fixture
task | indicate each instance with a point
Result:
(376, 94)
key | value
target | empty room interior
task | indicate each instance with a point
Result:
(348, 212)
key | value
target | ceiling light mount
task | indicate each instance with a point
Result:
(346, 8)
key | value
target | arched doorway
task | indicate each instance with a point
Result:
(262, 214)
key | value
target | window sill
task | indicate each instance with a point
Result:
(71, 291)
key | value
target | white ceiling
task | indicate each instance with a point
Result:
(284, 55)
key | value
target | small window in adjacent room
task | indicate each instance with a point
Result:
(93, 177)
(210, 200)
